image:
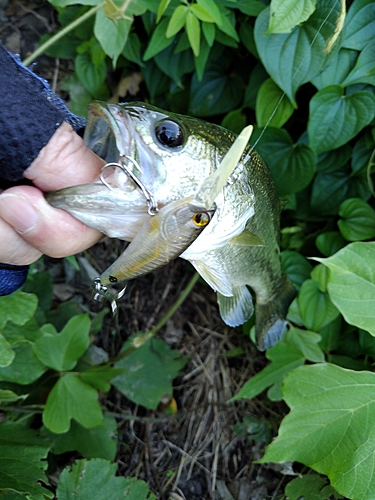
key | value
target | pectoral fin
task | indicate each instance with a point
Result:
(237, 309)
(218, 281)
(247, 239)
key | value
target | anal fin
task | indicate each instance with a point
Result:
(238, 308)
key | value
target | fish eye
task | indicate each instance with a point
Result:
(169, 133)
(201, 219)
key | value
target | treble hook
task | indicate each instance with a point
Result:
(152, 205)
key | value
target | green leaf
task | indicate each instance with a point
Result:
(360, 24)
(91, 77)
(40, 283)
(201, 61)
(307, 343)
(162, 8)
(149, 371)
(65, 3)
(284, 358)
(99, 376)
(80, 402)
(132, 49)
(292, 165)
(6, 352)
(351, 285)
(235, 121)
(273, 108)
(286, 14)
(331, 161)
(61, 352)
(18, 307)
(320, 274)
(337, 70)
(159, 40)
(99, 442)
(7, 396)
(296, 58)
(309, 487)
(331, 426)
(296, 267)
(193, 30)
(216, 93)
(250, 7)
(257, 77)
(177, 20)
(22, 461)
(315, 307)
(213, 10)
(228, 28)
(79, 96)
(175, 65)
(201, 13)
(358, 220)
(209, 33)
(364, 69)
(335, 118)
(25, 368)
(328, 192)
(111, 35)
(96, 479)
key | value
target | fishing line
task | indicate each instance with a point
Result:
(295, 74)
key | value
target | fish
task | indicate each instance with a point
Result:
(173, 155)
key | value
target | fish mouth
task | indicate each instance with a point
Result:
(113, 204)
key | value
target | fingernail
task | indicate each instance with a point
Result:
(18, 212)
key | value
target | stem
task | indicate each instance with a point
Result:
(176, 305)
(61, 33)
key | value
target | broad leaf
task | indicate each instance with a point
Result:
(286, 14)
(328, 192)
(292, 165)
(91, 77)
(150, 370)
(307, 343)
(297, 57)
(175, 65)
(99, 376)
(296, 267)
(315, 307)
(283, 358)
(158, 41)
(364, 69)
(61, 352)
(25, 367)
(330, 243)
(22, 461)
(358, 220)
(18, 307)
(351, 285)
(6, 352)
(337, 70)
(80, 401)
(99, 442)
(273, 108)
(336, 118)
(310, 487)
(96, 479)
(360, 24)
(331, 426)
(235, 121)
(331, 161)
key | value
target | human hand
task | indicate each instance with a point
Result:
(29, 226)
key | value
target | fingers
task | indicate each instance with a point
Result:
(65, 161)
(38, 228)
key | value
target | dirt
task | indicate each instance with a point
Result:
(195, 453)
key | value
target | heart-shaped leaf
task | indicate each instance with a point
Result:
(91, 77)
(292, 165)
(331, 426)
(351, 285)
(364, 69)
(297, 57)
(286, 14)
(273, 108)
(62, 351)
(315, 307)
(18, 307)
(337, 70)
(336, 118)
(80, 402)
(360, 24)
(358, 220)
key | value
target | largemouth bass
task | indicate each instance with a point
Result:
(176, 154)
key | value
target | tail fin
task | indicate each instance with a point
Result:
(270, 321)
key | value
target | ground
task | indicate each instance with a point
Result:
(195, 453)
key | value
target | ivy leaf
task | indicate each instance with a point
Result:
(284, 358)
(315, 307)
(296, 58)
(61, 352)
(23, 461)
(158, 41)
(292, 165)
(96, 479)
(335, 118)
(351, 285)
(99, 442)
(18, 307)
(360, 24)
(358, 220)
(286, 14)
(149, 371)
(80, 402)
(364, 69)
(331, 426)
(272, 104)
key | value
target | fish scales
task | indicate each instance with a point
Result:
(240, 246)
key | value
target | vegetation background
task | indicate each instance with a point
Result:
(78, 401)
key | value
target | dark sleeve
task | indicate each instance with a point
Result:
(30, 113)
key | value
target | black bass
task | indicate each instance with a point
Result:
(176, 154)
